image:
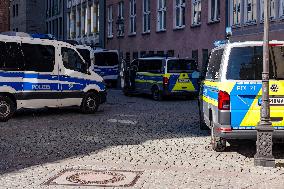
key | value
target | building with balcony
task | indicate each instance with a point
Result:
(27, 16)
(246, 19)
(4, 15)
(181, 28)
(55, 20)
(84, 21)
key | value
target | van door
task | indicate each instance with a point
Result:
(40, 78)
(245, 65)
(72, 77)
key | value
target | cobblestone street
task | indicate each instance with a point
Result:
(161, 140)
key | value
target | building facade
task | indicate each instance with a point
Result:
(27, 16)
(83, 18)
(55, 20)
(4, 15)
(181, 28)
(246, 19)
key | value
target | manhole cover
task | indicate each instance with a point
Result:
(95, 178)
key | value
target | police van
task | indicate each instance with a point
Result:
(162, 76)
(230, 98)
(38, 73)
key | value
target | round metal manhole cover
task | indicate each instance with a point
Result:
(100, 178)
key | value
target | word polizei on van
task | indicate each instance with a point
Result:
(38, 73)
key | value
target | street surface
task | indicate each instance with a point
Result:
(160, 139)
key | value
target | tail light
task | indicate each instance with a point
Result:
(165, 81)
(223, 100)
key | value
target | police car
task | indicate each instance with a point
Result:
(37, 73)
(230, 98)
(162, 76)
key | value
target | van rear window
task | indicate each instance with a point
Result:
(181, 65)
(245, 63)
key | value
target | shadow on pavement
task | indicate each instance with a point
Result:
(36, 137)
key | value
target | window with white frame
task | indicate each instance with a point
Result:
(250, 11)
(109, 21)
(132, 16)
(235, 12)
(214, 10)
(161, 19)
(272, 9)
(281, 8)
(121, 16)
(179, 13)
(196, 12)
(146, 16)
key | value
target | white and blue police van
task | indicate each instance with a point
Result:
(38, 73)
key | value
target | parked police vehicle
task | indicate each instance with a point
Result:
(106, 65)
(37, 73)
(162, 76)
(230, 100)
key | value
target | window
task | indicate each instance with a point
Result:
(214, 65)
(106, 59)
(39, 58)
(179, 14)
(196, 12)
(162, 11)
(250, 8)
(17, 10)
(146, 16)
(214, 10)
(171, 53)
(272, 9)
(245, 63)
(281, 8)
(14, 10)
(121, 16)
(235, 12)
(135, 55)
(72, 60)
(11, 57)
(142, 53)
(181, 66)
(160, 53)
(132, 16)
(195, 55)
(85, 53)
(109, 22)
(152, 66)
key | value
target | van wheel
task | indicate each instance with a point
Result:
(203, 126)
(90, 103)
(7, 108)
(218, 144)
(156, 94)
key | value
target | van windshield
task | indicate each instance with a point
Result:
(181, 65)
(245, 63)
(106, 59)
(85, 53)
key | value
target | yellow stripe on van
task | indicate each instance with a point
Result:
(209, 100)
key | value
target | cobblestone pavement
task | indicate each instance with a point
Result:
(161, 139)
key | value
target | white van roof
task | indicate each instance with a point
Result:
(6, 38)
(249, 43)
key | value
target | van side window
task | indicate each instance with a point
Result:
(11, 57)
(152, 66)
(38, 58)
(72, 61)
(214, 64)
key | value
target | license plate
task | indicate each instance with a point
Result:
(184, 80)
(273, 101)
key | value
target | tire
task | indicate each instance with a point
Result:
(218, 144)
(7, 108)
(156, 94)
(90, 103)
